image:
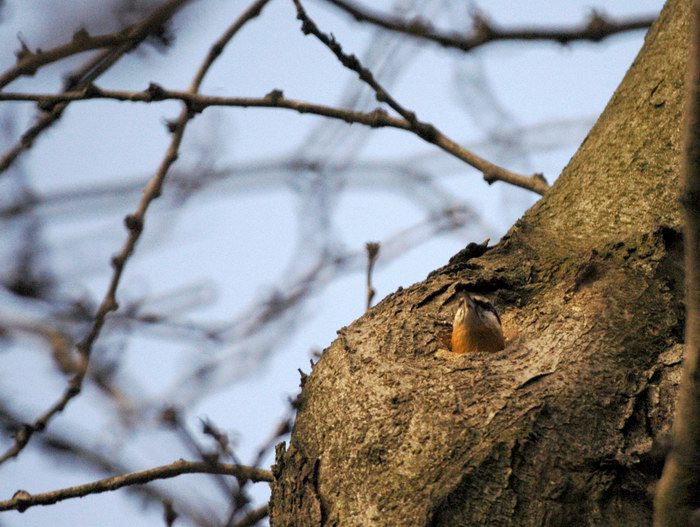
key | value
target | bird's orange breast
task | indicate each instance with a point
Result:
(469, 340)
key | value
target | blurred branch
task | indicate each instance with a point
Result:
(253, 517)
(283, 427)
(239, 498)
(134, 223)
(172, 417)
(275, 99)
(372, 253)
(266, 326)
(68, 449)
(169, 513)
(22, 500)
(415, 176)
(598, 27)
(426, 131)
(89, 73)
(28, 62)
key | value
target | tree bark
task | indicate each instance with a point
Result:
(678, 493)
(558, 428)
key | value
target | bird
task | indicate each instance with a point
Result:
(476, 327)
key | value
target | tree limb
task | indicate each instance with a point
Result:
(29, 62)
(89, 73)
(377, 118)
(425, 130)
(598, 27)
(22, 500)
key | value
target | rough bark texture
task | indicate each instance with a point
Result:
(557, 429)
(678, 493)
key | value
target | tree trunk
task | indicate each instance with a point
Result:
(557, 429)
(677, 497)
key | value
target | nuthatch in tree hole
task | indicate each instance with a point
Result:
(476, 326)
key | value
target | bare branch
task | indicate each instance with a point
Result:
(276, 99)
(89, 73)
(69, 450)
(22, 500)
(29, 62)
(134, 223)
(426, 131)
(598, 27)
(171, 416)
(284, 426)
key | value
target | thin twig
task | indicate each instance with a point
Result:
(283, 427)
(172, 418)
(134, 223)
(372, 253)
(426, 131)
(275, 99)
(68, 450)
(29, 62)
(22, 500)
(89, 73)
(598, 27)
